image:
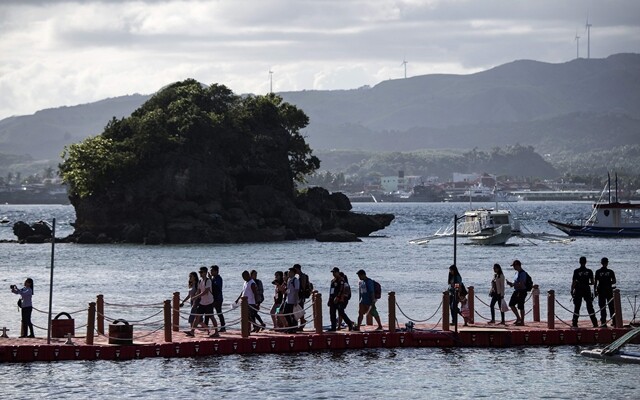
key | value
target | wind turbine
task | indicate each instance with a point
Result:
(577, 45)
(270, 81)
(404, 62)
(588, 28)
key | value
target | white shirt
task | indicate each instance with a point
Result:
(248, 293)
(207, 298)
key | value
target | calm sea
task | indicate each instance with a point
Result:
(135, 274)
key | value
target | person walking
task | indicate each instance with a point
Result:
(26, 307)
(259, 300)
(337, 301)
(250, 291)
(193, 289)
(519, 295)
(497, 293)
(218, 298)
(581, 290)
(279, 289)
(306, 287)
(367, 300)
(205, 306)
(455, 285)
(605, 280)
(292, 299)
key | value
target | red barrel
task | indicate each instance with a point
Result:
(120, 334)
(60, 328)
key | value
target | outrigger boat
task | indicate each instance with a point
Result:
(614, 351)
(608, 219)
(481, 226)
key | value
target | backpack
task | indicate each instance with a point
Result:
(377, 290)
(528, 283)
(259, 291)
(305, 292)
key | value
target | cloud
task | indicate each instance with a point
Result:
(63, 53)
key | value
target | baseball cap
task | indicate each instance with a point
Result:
(361, 272)
(516, 262)
(335, 269)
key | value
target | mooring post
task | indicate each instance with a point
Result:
(91, 323)
(470, 300)
(317, 311)
(176, 311)
(535, 293)
(617, 305)
(551, 309)
(100, 306)
(392, 312)
(245, 325)
(445, 311)
(167, 321)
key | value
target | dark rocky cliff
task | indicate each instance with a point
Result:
(197, 164)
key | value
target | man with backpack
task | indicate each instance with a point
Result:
(519, 295)
(370, 292)
(259, 300)
(306, 287)
(337, 301)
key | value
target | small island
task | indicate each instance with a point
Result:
(199, 164)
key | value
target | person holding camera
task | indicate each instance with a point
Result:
(26, 306)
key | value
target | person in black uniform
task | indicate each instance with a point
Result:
(605, 280)
(581, 290)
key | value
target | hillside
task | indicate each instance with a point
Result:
(578, 106)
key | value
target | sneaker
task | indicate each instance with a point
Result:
(31, 336)
(223, 329)
(604, 325)
(214, 334)
(189, 333)
(379, 329)
(491, 322)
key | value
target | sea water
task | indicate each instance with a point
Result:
(136, 275)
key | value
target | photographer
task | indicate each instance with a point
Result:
(25, 304)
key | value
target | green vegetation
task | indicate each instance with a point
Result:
(188, 119)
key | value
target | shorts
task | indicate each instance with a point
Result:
(368, 308)
(207, 310)
(517, 299)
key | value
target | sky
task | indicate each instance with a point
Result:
(61, 53)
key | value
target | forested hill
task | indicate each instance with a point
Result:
(580, 105)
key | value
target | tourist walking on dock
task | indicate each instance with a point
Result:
(26, 307)
(581, 290)
(218, 298)
(205, 306)
(346, 296)
(292, 299)
(497, 293)
(519, 295)
(455, 285)
(193, 290)
(250, 291)
(305, 291)
(605, 280)
(279, 289)
(259, 299)
(336, 301)
(366, 291)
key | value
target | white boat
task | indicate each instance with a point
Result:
(481, 226)
(615, 352)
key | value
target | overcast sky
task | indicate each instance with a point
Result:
(55, 53)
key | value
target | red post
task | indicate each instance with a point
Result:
(176, 311)
(91, 323)
(167, 321)
(617, 304)
(470, 300)
(392, 312)
(551, 309)
(536, 303)
(100, 307)
(317, 311)
(445, 311)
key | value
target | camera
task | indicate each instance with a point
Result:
(13, 286)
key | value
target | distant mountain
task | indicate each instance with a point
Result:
(577, 106)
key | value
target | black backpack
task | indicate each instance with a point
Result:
(528, 283)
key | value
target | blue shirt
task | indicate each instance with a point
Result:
(217, 288)
(365, 288)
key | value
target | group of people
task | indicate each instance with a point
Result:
(603, 283)
(291, 289)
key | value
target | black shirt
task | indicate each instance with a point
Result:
(605, 279)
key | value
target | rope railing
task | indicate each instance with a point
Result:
(594, 314)
(415, 320)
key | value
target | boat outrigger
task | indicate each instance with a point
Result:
(615, 352)
(608, 219)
